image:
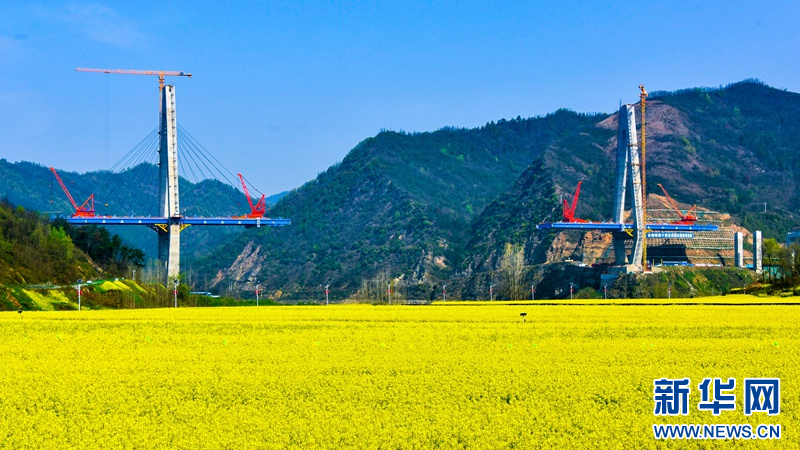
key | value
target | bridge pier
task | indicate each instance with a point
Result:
(169, 240)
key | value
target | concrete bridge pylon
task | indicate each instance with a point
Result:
(629, 170)
(169, 235)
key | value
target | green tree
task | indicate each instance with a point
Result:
(771, 254)
(790, 264)
(511, 267)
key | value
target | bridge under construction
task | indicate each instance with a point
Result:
(630, 181)
(170, 222)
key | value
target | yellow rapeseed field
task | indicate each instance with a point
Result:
(382, 376)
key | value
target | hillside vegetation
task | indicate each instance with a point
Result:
(399, 206)
(32, 251)
(424, 209)
(35, 254)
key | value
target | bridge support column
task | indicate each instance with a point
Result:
(169, 243)
(738, 249)
(758, 265)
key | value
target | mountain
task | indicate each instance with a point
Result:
(424, 209)
(731, 149)
(734, 150)
(398, 206)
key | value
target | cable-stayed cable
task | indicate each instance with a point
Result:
(203, 162)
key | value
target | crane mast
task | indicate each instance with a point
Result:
(643, 97)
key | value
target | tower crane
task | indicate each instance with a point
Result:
(686, 218)
(159, 73)
(568, 211)
(86, 209)
(260, 208)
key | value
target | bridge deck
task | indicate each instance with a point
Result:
(611, 226)
(220, 221)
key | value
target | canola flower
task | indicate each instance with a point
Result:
(380, 377)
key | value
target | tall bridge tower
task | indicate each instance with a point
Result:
(629, 169)
(169, 239)
(169, 235)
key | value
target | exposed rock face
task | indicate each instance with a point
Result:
(593, 246)
(427, 261)
(662, 120)
(562, 248)
(244, 269)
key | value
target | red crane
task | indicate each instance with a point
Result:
(260, 208)
(86, 209)
(688, 217)
(569, 210)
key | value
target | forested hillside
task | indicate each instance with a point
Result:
(31, 251)
(398, 206)
(34, 251)
(425, 208)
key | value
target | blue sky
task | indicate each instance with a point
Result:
(282, 90)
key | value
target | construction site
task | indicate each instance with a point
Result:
(653, 230)
(170, 219)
